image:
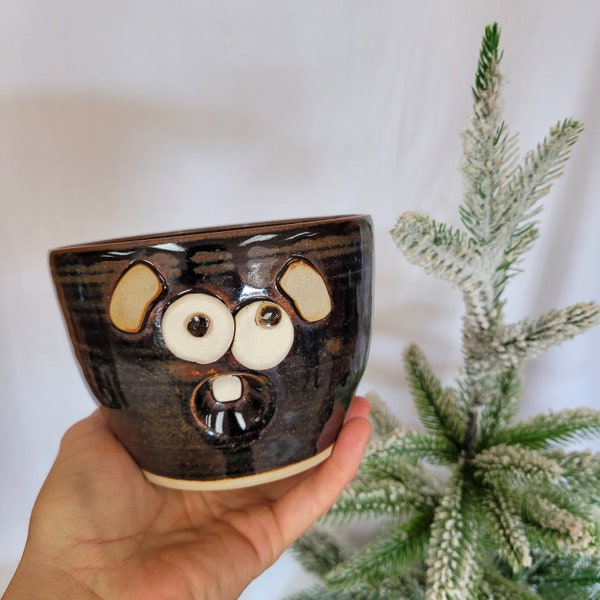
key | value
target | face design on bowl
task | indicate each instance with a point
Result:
(220, 354)
(231, 345)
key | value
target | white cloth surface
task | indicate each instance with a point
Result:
(125, 117)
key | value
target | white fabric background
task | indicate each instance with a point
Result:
(132, 116)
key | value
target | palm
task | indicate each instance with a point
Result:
(119, 536)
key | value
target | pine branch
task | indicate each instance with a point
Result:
(506, 465)
(449, 255)
(319, 592)
(453, 569)
(508, 532)
(391, 555)
(488, 150)
(420, 479)
(557, 522)
(581, 473)
(502, 405)
(408, 587)
(526, 340)
(437, 407)
(386, 499)
(438, 249)
(383, 421)
(319, 552)
(412, 446)
(489, 58)
(531, 182)
(498, 587)
(572, 591)
(552, 428)
(566, 576)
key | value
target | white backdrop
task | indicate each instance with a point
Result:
(132, 116)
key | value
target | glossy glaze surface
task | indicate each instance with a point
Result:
(223, 353)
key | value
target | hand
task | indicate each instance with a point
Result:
(99, 529)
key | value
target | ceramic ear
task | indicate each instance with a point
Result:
(307, 290)
(135, 293)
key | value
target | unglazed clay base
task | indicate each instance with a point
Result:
(241, 482)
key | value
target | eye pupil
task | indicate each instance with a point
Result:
(198, 325)
(268, 316)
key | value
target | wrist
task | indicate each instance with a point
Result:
(44, 581)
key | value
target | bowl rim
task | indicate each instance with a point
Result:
(259, 227)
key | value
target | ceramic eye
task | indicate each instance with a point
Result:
(263, 335)
(198, 328)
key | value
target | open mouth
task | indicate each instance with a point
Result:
(233, 407)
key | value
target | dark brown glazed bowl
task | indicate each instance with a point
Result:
(223, 357)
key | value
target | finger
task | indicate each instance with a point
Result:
(92, 424)
(89, 446)
(314, 495)
(91, 435)
(359, 407)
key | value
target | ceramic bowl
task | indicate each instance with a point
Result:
(223, 357)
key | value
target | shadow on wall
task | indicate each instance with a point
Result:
(103, 163)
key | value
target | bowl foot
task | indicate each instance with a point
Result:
(233, 483)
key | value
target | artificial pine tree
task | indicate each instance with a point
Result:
(473, 504)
